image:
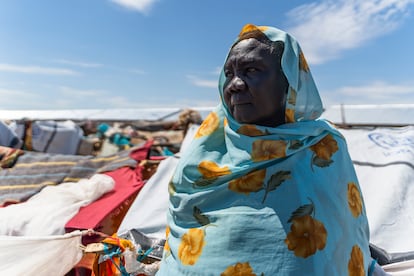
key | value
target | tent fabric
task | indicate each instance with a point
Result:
(384, 163)
(47, 212)
(40, 255)
(115, 114)
(370, 114)
(33, 171)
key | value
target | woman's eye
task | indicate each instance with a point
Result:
(251, 70)
(228, 74)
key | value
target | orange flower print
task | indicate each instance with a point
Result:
(251, 182)
(306, 236)
(209, 125)
(225, 122)
(292, 96)
(191, 246)
(171, 188)
(210, 170)
(325, 148)
(268, 149)
(250, 130)
(167, 233)
(356, 262)
(251, 28)
(354, 199)
(303, 65)
(239, 269)
(289, 115)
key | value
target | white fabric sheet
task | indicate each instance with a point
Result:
(384, 162)
(32, 239)
(40, 256)
(47, 212)
(400, 269)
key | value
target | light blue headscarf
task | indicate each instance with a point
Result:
(254, 200)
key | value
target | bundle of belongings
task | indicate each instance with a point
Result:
(49, 195)
(55, 208)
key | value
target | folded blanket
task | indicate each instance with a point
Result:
(34, 170)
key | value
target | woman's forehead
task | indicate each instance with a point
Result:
(249, 49)
(249, 45)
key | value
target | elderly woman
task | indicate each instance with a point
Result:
(266, 188)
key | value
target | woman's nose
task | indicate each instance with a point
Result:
(237, 84)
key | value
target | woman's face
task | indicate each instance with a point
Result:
(255, 87)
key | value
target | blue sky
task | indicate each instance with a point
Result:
(78, 54)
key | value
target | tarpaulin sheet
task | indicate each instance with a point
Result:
(384, 162)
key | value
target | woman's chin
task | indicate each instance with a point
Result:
(243, 113)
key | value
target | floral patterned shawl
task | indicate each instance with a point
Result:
(253, 200)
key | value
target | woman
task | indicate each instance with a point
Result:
(266, 188)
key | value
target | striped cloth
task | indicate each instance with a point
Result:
(34, 170)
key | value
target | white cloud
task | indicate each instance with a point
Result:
(119, 102)
(13, 94)
(378, 92)
(20, 99)
(138, 5)
(35, 70)
(79, 63)
(137, 71)
(197, 103)
(81, 93)
(328, 28)
(202, 82)
(377, 88)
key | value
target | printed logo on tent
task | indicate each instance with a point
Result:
(394, 143)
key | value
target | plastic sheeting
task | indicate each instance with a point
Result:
(384, 162)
